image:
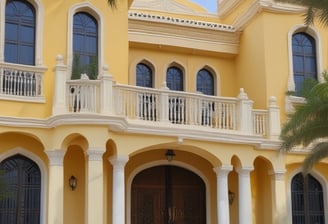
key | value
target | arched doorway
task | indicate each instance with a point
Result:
(168, 195)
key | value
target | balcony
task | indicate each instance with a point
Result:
(21, 82)
(163, 108)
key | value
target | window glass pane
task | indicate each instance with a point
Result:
(27, 34)
(27, 55)
(11, 53)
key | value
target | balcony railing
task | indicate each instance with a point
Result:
(21, 81)
(160, 106)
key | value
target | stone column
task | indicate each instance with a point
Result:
(278, 196)
(245, 195)
(56, 187)
(59, 105)
(222, 193)
(118, 189)
(95, 186)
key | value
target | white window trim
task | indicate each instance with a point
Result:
(164, 162)
(43, 170)
(319, 177)
(291, 100)
(84, 7)
(39, 12)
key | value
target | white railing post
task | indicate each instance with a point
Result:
(245, 123)
(274, 118)
(59, 104)
(106, 93)
(164, 104)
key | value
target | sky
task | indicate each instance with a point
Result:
(210, 5)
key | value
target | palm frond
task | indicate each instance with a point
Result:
(309, 121)
(318, 152)
(315, 9)
(112, 3)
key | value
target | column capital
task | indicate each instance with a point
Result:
(223, 170)
(277, 174)
(95, 154)
(118, 161)
(56, 157)
(244, 170)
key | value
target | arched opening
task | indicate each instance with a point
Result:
(21, 203)
(168, 194)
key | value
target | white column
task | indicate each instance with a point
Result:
(245, 195)
(222, 193)
(56, 187)
(106, 93)
(59, 104)
(278, 196)
(118, 189)
(245, 122)
(95, 186)
(274, 118)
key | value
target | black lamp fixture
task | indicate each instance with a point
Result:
(169, 155)
(231, 196)
(72, 181)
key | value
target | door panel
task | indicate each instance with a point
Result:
(168, 195)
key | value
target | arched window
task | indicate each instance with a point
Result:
(304, 59)
(307, 200)
(144, 75)
(85, 46)
(20, 32)
(205, 82)
(174, 78)
(21, 202)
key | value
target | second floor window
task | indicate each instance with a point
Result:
(304, 59)
(144, 75)
(174, 78)
(85, 46)
(19, 32)
(205, 82)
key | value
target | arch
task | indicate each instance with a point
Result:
(133, 66)
(318, 48)
(43, 170)
(95, 13)
(39, 12)
(319, 177)
(75, 139)
(165, 162)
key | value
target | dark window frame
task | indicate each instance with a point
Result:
(20, 32)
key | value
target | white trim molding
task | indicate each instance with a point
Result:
(44, 176)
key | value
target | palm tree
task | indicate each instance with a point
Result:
(315, 9)
(308, 125)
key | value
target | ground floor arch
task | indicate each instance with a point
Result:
(168, 194)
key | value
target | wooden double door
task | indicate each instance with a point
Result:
(168, 195)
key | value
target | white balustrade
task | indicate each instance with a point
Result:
(83, 95)
(21, 80)
(183, 108)
(260, 122)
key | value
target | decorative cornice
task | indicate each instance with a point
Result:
(121, 124)
(182, 33)
(178, 21)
